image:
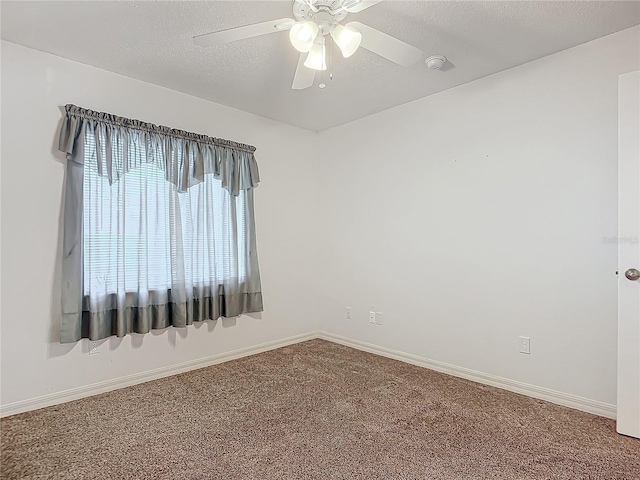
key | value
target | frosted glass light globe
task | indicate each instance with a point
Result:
(302, 35)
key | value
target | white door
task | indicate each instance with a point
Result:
(628, 411)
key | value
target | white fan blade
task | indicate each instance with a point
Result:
(240, 33)
(362, 5)
(304, 76)
(386, 46)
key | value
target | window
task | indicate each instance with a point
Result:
(141, 234)
(159, 227)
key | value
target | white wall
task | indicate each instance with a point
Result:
(468, 218)
(34, 87)
(478, 214)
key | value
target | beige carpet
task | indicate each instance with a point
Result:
(315, 410)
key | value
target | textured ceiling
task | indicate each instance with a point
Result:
(152, 41)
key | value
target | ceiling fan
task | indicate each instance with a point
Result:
(314, 20)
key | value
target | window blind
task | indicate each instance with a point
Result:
(141, 234)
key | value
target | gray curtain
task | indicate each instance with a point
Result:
(159, 227)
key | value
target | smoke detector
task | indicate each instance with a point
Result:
(435, 62)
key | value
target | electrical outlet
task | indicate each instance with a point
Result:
(372, 317)
(348, 314)
(378, 318)
(93, 348)
(525, 345)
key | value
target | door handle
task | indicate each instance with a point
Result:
(632, 274)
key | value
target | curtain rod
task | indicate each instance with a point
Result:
(75, 111)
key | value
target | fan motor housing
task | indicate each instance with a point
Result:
(321, 13)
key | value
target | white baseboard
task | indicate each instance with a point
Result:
(116, 383)
(553, 396)
(573, 401)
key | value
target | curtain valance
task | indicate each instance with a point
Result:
(185, 157)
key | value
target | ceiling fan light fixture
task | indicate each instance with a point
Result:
(316, 59)
(347, 39)
(302, 35)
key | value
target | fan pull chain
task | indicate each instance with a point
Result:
(322, 84)
(331, 61)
